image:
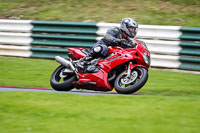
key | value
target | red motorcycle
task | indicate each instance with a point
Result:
(125, 69)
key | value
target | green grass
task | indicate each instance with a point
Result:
(156, 12)
(25, 112)
(38, 112)
(26, 72)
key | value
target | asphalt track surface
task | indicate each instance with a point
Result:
(74, 91)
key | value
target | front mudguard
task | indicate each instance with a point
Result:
(132, 66)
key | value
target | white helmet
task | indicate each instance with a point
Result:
(129, 26)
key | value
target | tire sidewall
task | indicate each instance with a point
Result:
(134, 87)
(61, 86)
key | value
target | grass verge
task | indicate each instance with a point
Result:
(156, 12)
(35, 112)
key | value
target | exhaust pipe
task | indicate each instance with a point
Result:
(65, 63)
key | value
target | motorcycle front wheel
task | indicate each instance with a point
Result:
(129, 84)
(61, 81)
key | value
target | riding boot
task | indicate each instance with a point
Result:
(83, 60)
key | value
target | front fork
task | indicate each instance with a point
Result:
(132, 66)
(129, 70)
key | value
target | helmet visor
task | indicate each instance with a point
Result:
(132, 29)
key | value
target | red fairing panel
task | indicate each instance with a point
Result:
(100, 78)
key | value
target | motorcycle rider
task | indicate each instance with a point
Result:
(113, 37)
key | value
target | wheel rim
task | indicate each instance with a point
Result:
(60, 76)
(126, 82)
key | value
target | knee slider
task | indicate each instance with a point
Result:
(97, 49)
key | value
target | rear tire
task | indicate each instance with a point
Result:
(133, 86)
(66, 84)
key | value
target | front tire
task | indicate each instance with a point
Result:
(129, 85)
(62, 83)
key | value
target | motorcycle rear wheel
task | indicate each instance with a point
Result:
(61, 84)
(125, 85)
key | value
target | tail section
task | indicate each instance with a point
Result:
(77, 53)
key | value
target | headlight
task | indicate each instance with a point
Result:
(146, 58)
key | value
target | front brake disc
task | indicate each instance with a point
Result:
(127, 80)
